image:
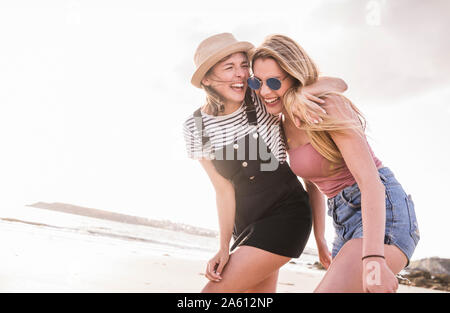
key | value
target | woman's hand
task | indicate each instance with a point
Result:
(324, 253)
(310, 92)
(216, 264)
(314, 99)
(314, 103)
(378, 277)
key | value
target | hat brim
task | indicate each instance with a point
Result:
(242, 46)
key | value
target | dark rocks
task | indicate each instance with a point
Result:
(433, 265)
(319, 266)
(433, 273)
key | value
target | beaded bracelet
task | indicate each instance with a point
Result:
(372, 256)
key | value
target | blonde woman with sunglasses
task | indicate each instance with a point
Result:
(375, 222)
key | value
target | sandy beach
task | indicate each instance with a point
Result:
(49, 261)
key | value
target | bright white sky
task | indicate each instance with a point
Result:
(93, 95)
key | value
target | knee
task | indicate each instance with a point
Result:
(351, 251)
(353, 246)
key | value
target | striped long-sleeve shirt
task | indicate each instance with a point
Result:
(226, 129)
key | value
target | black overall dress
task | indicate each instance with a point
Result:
(272, 208)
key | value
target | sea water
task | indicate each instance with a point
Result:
(152, 240)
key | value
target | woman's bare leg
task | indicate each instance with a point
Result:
(345, 272)
(268, 285)
(247, 267)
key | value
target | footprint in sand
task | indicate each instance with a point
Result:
(287, 284)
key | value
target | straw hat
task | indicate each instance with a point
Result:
(212, 50)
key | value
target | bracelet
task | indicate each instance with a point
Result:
(372, 256)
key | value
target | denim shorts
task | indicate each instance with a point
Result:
(401, 224)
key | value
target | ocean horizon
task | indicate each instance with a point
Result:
(160, 237)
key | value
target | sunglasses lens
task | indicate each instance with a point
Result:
(254, 83)
(274, 83)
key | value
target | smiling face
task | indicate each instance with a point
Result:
(229, 78)
(264, 68)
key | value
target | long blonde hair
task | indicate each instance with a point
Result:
(214, 101)
(296, 62)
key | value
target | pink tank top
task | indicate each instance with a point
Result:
(309, 164)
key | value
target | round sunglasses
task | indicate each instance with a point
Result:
(272, 82)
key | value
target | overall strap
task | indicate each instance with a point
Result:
(283, 134)
(250, 108)
(198, 119)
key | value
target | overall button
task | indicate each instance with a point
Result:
(252, 177)
(235, 146)
(244, 164)
(255, 135)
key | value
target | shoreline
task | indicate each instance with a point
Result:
(40, 260)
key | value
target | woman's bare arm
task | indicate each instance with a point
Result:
(325, 84)
(226, 209)
(317, 202)
(225, 200)
(355, 151)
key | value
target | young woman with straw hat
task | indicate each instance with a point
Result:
(260, 201)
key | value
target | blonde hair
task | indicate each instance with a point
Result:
(214, 101)
(296, 62)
